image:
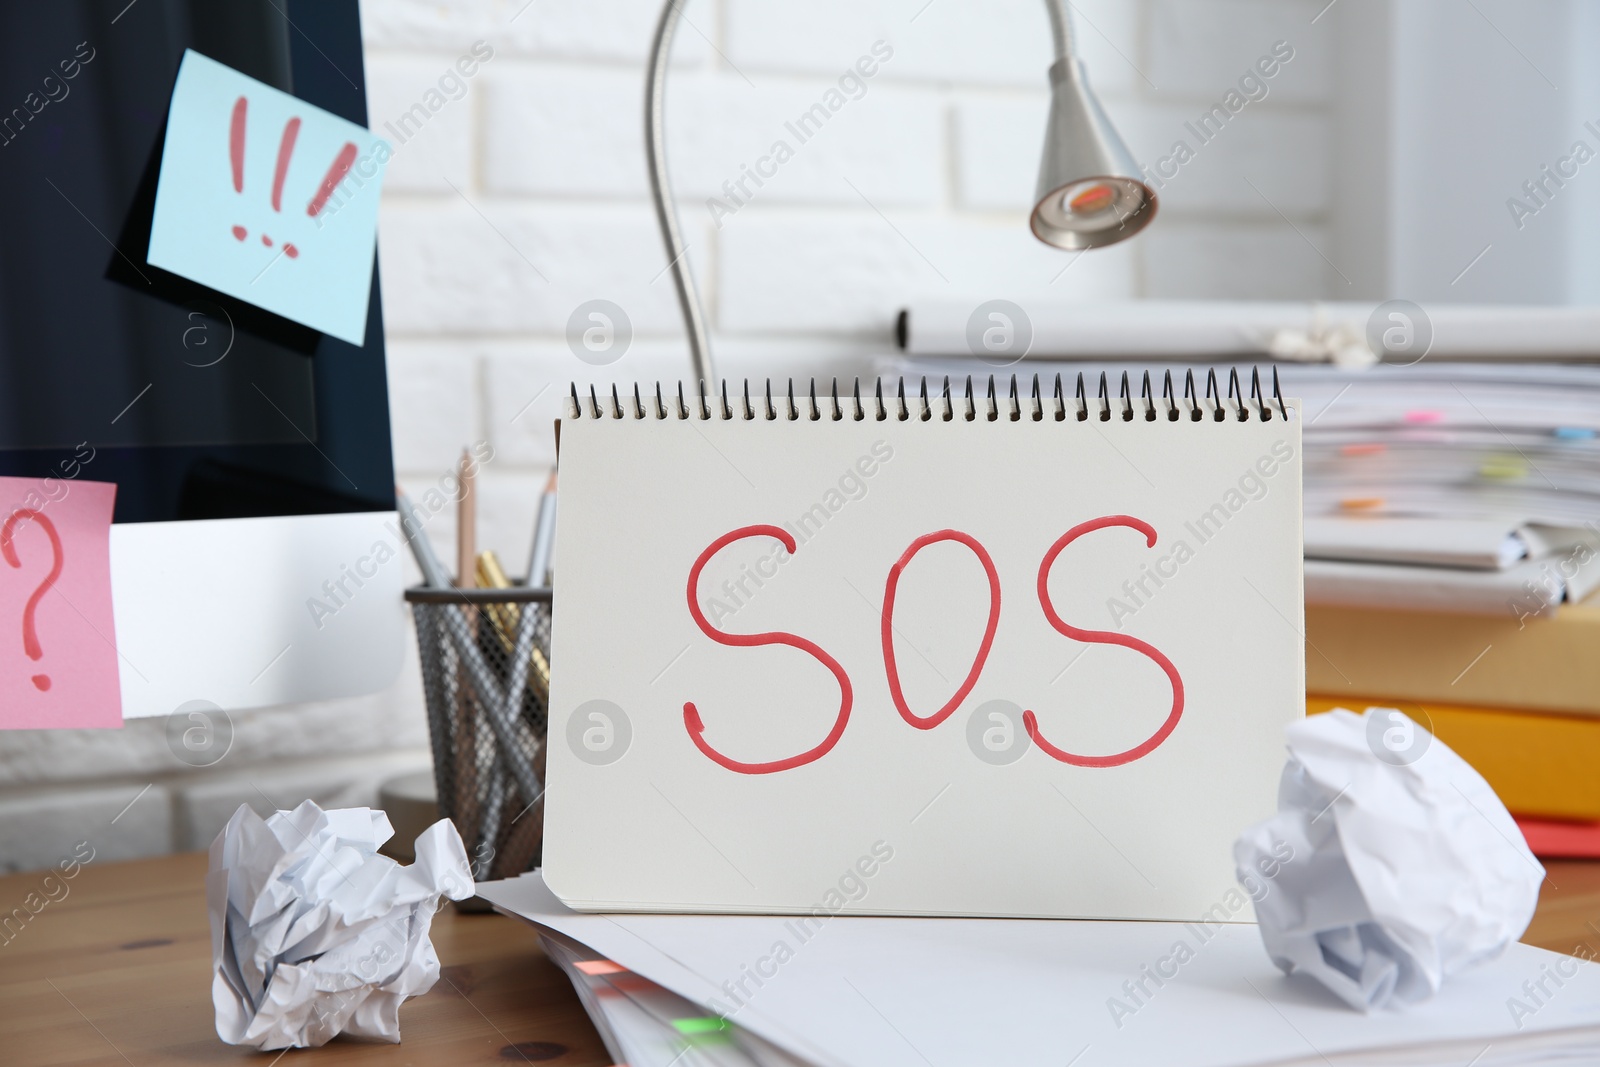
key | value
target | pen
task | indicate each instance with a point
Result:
(462, 729)
(525, 833)
(491, 696)
(433, 572)
(492, 811)
(505, 618)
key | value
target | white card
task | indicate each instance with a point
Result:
(1096, 761)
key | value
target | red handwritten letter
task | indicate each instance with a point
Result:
(1102, 637)
(691, 717)
(928, 722)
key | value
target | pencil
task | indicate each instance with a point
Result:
(467, 525)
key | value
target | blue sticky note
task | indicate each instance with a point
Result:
(269, 199)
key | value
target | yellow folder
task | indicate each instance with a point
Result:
(1540, 764)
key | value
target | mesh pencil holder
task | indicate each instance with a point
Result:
(486, 679)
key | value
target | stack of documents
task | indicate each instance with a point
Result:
(1452, 487)
(1459, 487)
(646, 1025)
(898, 992)
(1467, 565)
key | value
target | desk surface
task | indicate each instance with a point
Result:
(118, 974)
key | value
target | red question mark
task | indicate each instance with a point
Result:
(30, 633)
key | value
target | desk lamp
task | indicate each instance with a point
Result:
(1090, 193)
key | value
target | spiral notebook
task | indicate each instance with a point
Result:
(922, 650)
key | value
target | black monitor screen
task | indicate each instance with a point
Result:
(198, 405)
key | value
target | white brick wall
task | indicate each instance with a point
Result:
(1198, 47)
(524, 196)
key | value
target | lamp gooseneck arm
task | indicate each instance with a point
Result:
(1060, 28)
(655, 147)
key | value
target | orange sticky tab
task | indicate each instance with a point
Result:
(598, 967)
(1363, 449)
(1362, 503)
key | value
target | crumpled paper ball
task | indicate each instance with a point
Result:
(1393, 864)
(313, 933)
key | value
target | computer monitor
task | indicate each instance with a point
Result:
(255, 557)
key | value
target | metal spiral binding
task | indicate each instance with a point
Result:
(968, 404)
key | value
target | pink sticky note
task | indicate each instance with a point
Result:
(58, 642)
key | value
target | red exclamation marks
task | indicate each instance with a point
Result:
(236, 154)
(291, 130)
(330, 181)
(337, 170)
(236, 143)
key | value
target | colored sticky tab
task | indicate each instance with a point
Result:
(1424, 417)
(58, 643)
(269, 199)
(1504, 468)
(598, 967)
(1574, 433)
(711, 1024)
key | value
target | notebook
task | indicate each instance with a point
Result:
(923, 650)
(877, 992)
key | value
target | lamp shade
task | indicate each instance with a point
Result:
(1090, 191)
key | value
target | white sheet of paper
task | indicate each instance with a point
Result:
(874, 992)
(980, 820)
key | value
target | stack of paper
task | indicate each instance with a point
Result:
(896, 992)
(1456, 487)
(646, 1025)
(1448, 487)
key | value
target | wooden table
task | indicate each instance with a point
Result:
(118, 974)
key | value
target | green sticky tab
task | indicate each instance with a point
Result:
(709, 1025)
